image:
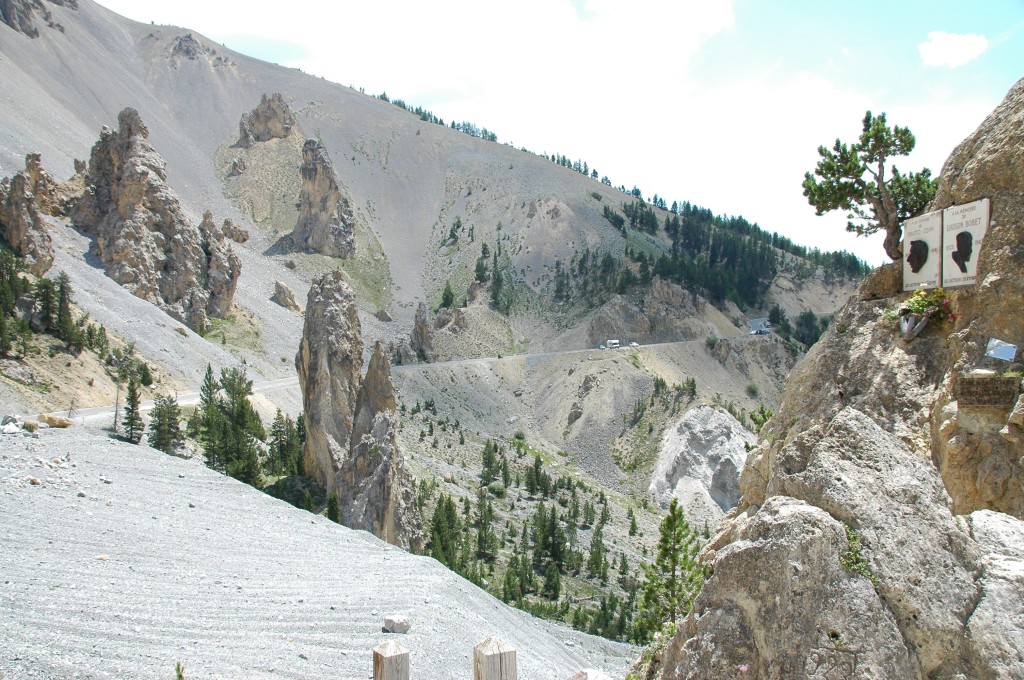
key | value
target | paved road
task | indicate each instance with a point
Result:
(100, 414)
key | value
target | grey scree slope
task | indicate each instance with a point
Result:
(123, 561)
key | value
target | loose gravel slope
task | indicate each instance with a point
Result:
(118, 561)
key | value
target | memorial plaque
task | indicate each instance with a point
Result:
(922, 251)
(994, 392)
(963, 230)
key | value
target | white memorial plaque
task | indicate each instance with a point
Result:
(963, 230)
(922, 251)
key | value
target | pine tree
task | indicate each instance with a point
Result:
(447, 296)
(674, 579)
(132, 425)
(164, 424)
(333, 510)
(552, 587)
(444, 532)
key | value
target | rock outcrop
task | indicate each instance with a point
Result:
(271, 119)
(422, 339)
(20, 14)
(851, 553)
(234, 232)
(142, 236)
(326, 222)
(24, 198)
(283, 296)
(668, 314)
(351, 445)
(700, 462)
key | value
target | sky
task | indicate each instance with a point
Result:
(721, 103)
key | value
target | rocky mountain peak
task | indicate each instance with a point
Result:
(141, 233)
(852, 552)
(326, 222)
(351, 446)
(271, 119)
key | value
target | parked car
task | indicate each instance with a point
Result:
(601, 347)
(633, 344)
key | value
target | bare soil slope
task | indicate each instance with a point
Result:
(122, 561)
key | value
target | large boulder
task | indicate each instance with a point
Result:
(351, 446)
(271, 119)
(142, 236)
(326, 222)
(781, 605)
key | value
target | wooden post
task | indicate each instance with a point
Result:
(390, 661)
(494, 659)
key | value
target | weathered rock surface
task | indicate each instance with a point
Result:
(141, 233)
(781, 605)
(271, 119)
(669, 314)
(234, 232)
(20, 14)
(422, 339)
(283, 296)
(350, 422)
(870, 434)
(326, 222)
(981, 467)
(328, 364)
(23, 200)
(700, 462)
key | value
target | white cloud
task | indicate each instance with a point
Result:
(951, 49)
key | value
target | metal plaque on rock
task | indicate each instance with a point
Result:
(922, 250)
(963, 230)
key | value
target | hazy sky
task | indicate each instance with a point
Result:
(720, 103)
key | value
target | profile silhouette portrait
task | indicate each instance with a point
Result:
(964, 248)
(918, 255)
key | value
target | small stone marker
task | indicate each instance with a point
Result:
(494, 659)
(390, 661)
(396, 624)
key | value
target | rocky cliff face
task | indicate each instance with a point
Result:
(669, 314)
(141, 233)
(850, 554)
(350, 422)
(24, 198)
(700, 462)
(271, 119)
(326, 222)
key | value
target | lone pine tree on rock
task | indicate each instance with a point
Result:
(858, 178)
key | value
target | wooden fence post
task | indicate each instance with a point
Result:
(390, 661)
(494, 659)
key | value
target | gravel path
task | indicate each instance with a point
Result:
(119, 561)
